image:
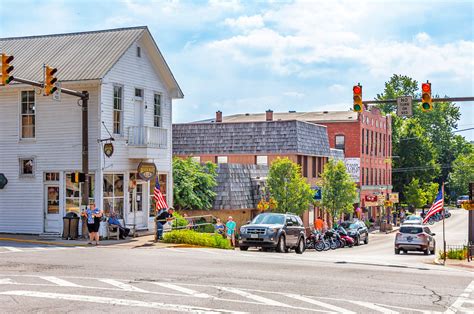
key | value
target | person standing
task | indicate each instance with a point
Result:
(219, 226)
(162, 218)
(318, 224)
(230, 226)
(93, 217)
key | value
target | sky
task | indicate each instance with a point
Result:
(250, 56)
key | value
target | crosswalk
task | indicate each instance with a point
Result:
(34, 248)
(181, 296)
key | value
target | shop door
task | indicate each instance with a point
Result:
(136, 213)
(52, 217)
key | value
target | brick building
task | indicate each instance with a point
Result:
(365, 138)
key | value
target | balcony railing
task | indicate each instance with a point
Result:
(145, 136)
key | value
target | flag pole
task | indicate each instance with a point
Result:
(444, 238)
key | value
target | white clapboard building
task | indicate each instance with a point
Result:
(131, 91)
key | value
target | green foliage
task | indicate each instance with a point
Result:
(193, 184)
(179, 221)
(459, 254)
(338, 190)
(462, 173)
(288, 187)
(398, 85)
(196, 238)
(419, 194)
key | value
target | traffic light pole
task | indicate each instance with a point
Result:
(85, 132)
(386, 101)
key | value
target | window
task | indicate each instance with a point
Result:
(139, 52)
(113, 193)
(118, 109)
(313, 168)
(157, 111)
(196, 159)
(74, 193)
(262, 160)
(305, 166)
(340, 142)
(138, 93)
(51, 176)
(366, 142)
(163, 180)
(27, 167)
(221, 159)
(363, 140)
(28, 113)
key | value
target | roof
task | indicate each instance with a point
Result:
(314, 116)
(274, 137)
(77, 56)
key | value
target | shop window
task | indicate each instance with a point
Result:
(221, 159)
(27, 167)
(113, 191)
(74, 193)
(163, 180)
(51, 176)
(196, 159)
(262, 160)
(28, 114)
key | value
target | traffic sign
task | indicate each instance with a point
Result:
(404, 106)
(57, 93)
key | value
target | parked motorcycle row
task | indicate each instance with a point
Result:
(329, 240)
(438, 216)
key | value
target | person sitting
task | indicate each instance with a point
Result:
(123, 231)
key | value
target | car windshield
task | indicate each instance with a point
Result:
(414, 218)
(462, 198)
(411, 230)
(350, 225)
(266, 219)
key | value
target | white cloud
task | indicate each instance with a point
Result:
(245, 22)
(337, 88)
(294, 94)
(422, 37)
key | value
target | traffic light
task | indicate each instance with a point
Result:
(78, 177)
(6, 69)
(358, 106)
(426, 101)
(49, 81)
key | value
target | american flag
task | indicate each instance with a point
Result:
(436, 207)
(160, 201)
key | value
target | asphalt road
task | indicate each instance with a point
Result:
(365, 279)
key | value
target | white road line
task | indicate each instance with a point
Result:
(6, 281)
(182, 289)
(59, 281)
(254, 297)
(12, 249)
(112, 301)
(464, 298)
(208, 251)
(121, 285)
(176, 250)
(319, 303)
(372, 306)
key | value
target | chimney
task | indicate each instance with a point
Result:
(218, 116)
(269, 115)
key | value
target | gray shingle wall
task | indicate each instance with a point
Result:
(237, 186)
(250, 138)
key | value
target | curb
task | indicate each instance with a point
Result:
(41, 242)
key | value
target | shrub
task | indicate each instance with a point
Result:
(459, 254)
(196, 238)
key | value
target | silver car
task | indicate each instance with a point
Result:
(415, 238)
(413, 220)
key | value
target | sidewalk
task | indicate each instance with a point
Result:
(141, 241)
(464, 264)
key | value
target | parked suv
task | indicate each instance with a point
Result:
(415, 238)
(275, 231)
(357, 230)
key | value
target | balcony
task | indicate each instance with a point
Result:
(146, 142)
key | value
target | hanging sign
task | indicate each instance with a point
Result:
(108, 149)
(146, 170)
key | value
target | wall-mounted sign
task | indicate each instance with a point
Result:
(108, 149)
(353, 168)
(371, 198)
(146, 170)
(3, 181)
(393, 197)
(317, 192)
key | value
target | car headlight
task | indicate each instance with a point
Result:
(272, 230)
(242, 230)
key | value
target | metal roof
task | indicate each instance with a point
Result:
(78, 56)
(315, 116)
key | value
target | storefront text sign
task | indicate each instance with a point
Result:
(146, 170)
(353, 168)
(393, 197)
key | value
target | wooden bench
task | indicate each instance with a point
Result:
(113, 231)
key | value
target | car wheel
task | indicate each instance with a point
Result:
(366, 240)
(244, 248)
(427, 251)
(281, 245)
(433, 252)
(397, 251)
(357, 240)
(300, 247)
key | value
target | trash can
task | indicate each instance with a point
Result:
(70, 226)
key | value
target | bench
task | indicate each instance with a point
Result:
(113, 231)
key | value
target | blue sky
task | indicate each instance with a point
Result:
(249, 56)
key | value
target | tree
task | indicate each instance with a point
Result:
(462, 174)
(419, 195)
(338, 189)
(288, 188)
(194, 184)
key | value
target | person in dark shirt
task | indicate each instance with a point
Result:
(161, 219)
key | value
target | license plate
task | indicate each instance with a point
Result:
(254, 236)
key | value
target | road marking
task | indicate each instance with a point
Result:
(112, 301)
(194, 293)
(208, 251)
(319, 303)
(12, 249)
(121, 285)
(464, 298)
(254, 297)
(59, 282)
(372, 306)
(176, 250)
(6, 281)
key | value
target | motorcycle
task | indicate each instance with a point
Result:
(330, 236)
(345, 237)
